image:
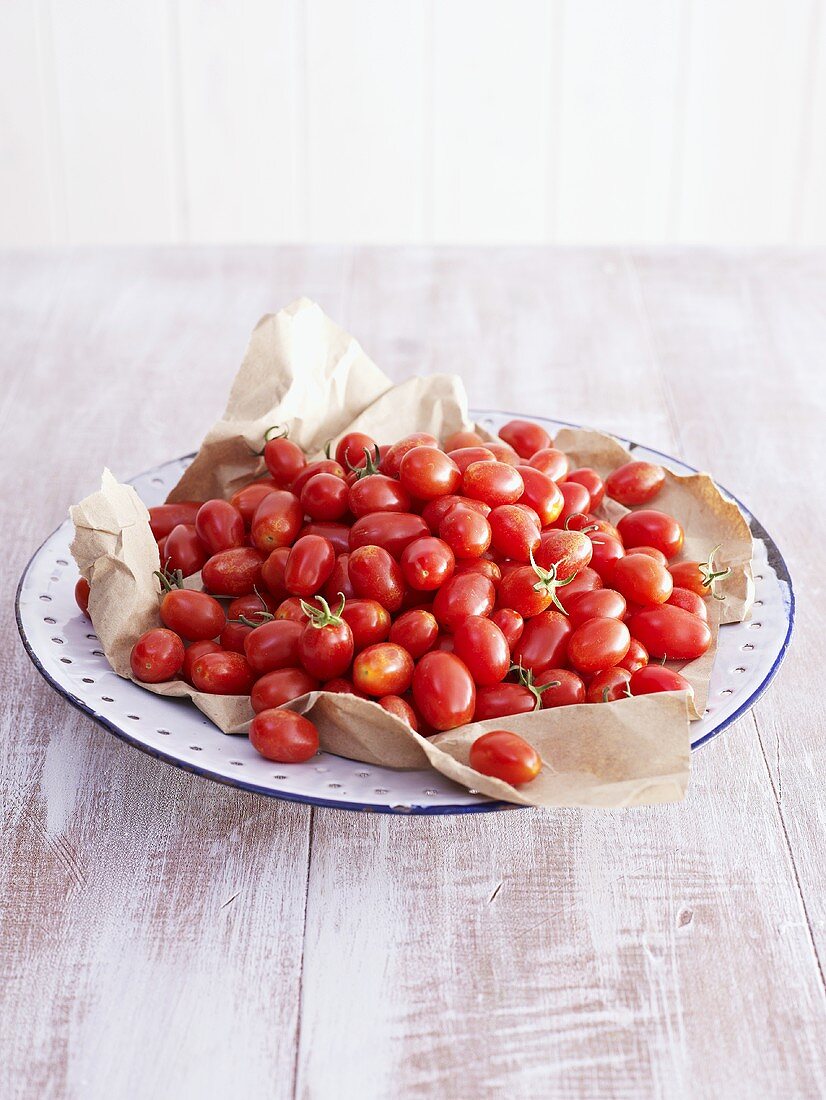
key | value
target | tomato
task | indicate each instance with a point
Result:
(530, 589)
(648, 527)
(82, 594)
(324, 497)
(511, 624)
(525, 437)
(544, 642)
(157, 656)
(609, 685)
(222, 673)
(541, 494)
(234, 635)
(698, 576)
(233, 572)
(375, 575)
(560, 688)
(551, 462)
(309, 565)
(503, 452)
(272, 572)
(636, 657)
(427, 472)
(443, 690)
(463, 438)
(391, 530)
(465, 455)
(494, 483)
(281, 686)
(651, 552)
(193, 652)
(369, 622)
(184, 550)
(483, 648)
(219, 526)
(342, 686)
(465, 531)
(416, 631)
(284, 459)
(464, 594)
(654, 678)
(273, 645)
(258, 607)
(435, 510)
(592, 526)
(325, 647)
(399, 707)
(641, 579)
(671, 632)
(514, 531)
(339, 580)
(576, 501)
(427, 563)
(568, 551)
(193, 615)
(586, 580)
(336, 533)
(391, 462)
(588, 477)
(499, 700)
(383, 669)
(504, 755)
(603, 603)
(483, 566)
(293, 609)
(598, 644)
(283, 736)
(377, 493)
(689, 601)
(635, 483)
(277, 521)
(444, 643)
(163, 517)
(350, 450)
(246, 500)
(607, 553)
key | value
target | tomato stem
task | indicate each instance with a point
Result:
(323, 616)
(279, 430)
(261, 616)
(525, 677)
(710, 575)
(549, 581)
(582, 530)
(371, 464)
(169, 579)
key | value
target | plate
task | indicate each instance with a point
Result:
(64, 648)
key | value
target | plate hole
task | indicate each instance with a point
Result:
(92, 637)
(321, 768)
(134, 717)
(237, 763)
(157, 481)
(62, 561)
(382, 790)
(755, 626)
(739, 669)
(88, 680)
(727, 691)
(65, 660)
(430, 791)
(362, 775)
(164, 733)
(107, 699)
(334, 786)
(97, 653)
(58, 641)
(279, 777)
(48, 619)
(748, 645)
(196, 748)
(758, 576)
(46, 599)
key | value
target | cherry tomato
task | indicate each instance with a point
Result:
(157, 656)
(283, 736)
(636, 657)
(483, 648)
(292, 609)
(464, 594)
(392, 530)
(369, 622)
(506, 756)
(654, 678)
(193, 615)
(444, 643)
(525, 437)
(324, 497)
(651, 552)
(284, 459)
(576, 501)
(494, 483)
(325, 647)
(339, 580)
(551, 462)
(246, 500)
(309, 565)
(464, 456)
(529, 589)
(603, 603)
(592, 482)
(514, 531)
(435, 510)
(544, 642)
(272, 572)
(427, 563)
(671, 632)
(483, 566)
(342, 686)
(427, 472)
(82, 594)
(503, 452)
(500, 700)
(698, 576)
(375, 575)
(377, 493)
(391, 462)
(648, 527)
(279, 687)
(641, 579)
(193, 652)
(273, 645)
(689, 601)
(598, 644)
(465, 531)
(383, 669)
(233, 572)
(586, 580)
(222, 673)
(163, 517)
(233, 636)
(259, 607)
(219, 526)
(184, 550)
(607, 553)
(541, 494)
(511, 624)
(351, 447)
(416, 631)
(568, 551)
(336, 533)
(443, 690)
(320, 466)
(394, 704)
(463, 438)
(635, 483)
(560, 688)
(277, 521)
(609, 685)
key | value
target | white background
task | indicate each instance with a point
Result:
(700, 121)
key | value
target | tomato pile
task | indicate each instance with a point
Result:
(449, 584)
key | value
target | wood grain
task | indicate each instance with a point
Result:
(162, 935)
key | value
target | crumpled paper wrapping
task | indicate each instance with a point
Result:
(304, 372)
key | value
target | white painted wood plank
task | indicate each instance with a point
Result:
(493, 105)
(112, 72)
(619, 134)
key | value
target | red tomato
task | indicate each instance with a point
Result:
(530, 589)
(483, 648)
(339, 580)
(541, 494)
(641, 579)
(273, 645)
(689, 601)
(598, 644)
(277, 521)
(309, 565)
(222, 673)
(499, 700)
(259, 607)
(514, 531)
(560, 688)
(592, 482)
(551, 462)
(320, 466)
(399, 707)
(636, 657)
(483, 566)
(279, 687)
(525, 437)
(464, 594)
(193, 652)
(435, 510)
(233, 572)
(648, 527)
(351, 447)
(465, 531)
(284, 459)
(544, 642)
(391, 462)
(494, 483)
(609, 685)
(506, 756)
(82, 594)
(272, 572)
(427, 563)
(576, 501)
(635, 483)
(463, 438)
(444, 643)
(375, 575)
(233, 636)
(246, 500)
(193, 615)
(383, 669)
(163, 517)
(427, 472)
(325, 647)
(292, 608)
(324, 497)
(336, 533)
(392, 530)
(157, 656)
(377, 493)
(369, 622)
(443, 690)
(654, 678)
(607, 553)
(569, 551)
(342, 686)
(698, 576)
(416, 631)
(503, 452)
(219, 526)
(586, 580)
(184, 550)
(671, 632)
(603, 603)
(511, 624)
(651, 552)
(465, 455)
(283, 736)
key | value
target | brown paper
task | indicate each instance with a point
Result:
(303, 372)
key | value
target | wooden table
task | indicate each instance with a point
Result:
(166, 936)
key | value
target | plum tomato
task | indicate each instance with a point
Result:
(515, 531)
(649, 551)
(427, 563)
(504, 755)
(671, 632)
(277, 521)
(339, 580)
(483, 648)
(273, 645)
(157, 656)
(588, 477)
(184, 550)
(465, 531)
(635, 483)
(500, 700)
(336, 533)
(279, 687)
(309, 566)
(607, 553)
(465, 437)
(258, 607)
(369, 622)
(651, 679)
(609, 685)
(568, 551)
(551, 462)
(234, 635)
(246, 500)
(383, 669)
(647, 527)
(576, 501)
(320, 466)
(325, 647)
(530, 589)
(400, 708)
(443, 690)
(636, 657)
(603, 603)
(377, 493)
(376, 575)
(427, 472)
(340, 685)
(586, 580)
(222, 673)
(193, 652)
(194, 615)
(284, 459)
(483, 566)
(699, 576)
(219, 526)
(163, 517)
(544, 642)
(283, 736)
(541, 493)
(511, 624)
(391, 530)
(233, 572)
(325, 497)
(503, 452)
(416, 631)
(82, 594)
(272, 572)
(292, 609)
(494, 483)
(689, 601)
(465, 455)
(525, 437)
(464, 594)
(598, 644)
(559, 687)
(435, 510)
(351, 447)
(641, 580)
(391, 461)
